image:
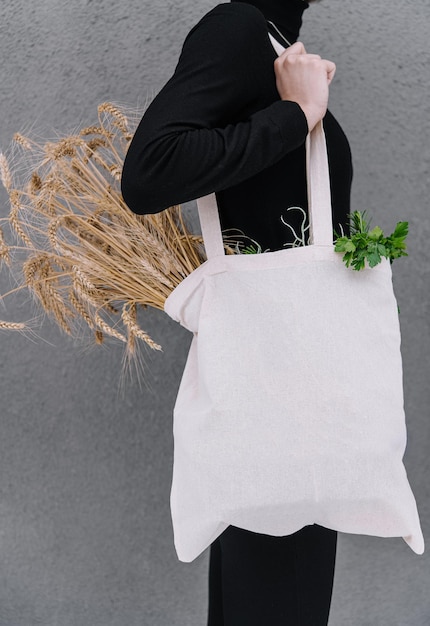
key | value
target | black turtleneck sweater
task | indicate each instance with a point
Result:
(219, 125)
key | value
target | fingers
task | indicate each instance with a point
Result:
(331, 71)
(296, 48)
(304, 78)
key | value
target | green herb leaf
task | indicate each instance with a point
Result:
(371, 246)
(376, 233)
(343, 244)
(401, 230)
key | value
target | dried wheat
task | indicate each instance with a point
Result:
(92, 130)
(129, 318)
(24, 142)
(12, 325)
(86, 255)
(120, 119)
(99, 337)
(108, 329)
(80, 308)
(5, 174)
(16, 225)
(4, 249)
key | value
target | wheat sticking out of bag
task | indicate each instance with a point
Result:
(86, 258)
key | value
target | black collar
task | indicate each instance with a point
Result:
(285, 14)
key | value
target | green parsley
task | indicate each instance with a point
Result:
(370, 245)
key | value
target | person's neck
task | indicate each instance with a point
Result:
(285, 14)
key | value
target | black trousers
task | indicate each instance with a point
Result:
(259, 580)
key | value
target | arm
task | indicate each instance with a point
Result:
(194, 138)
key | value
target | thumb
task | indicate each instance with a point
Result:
(331, 71)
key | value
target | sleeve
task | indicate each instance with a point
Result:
(194, 137)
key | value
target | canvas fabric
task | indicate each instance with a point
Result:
(290, 408)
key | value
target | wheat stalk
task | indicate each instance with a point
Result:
(5, 175)
(130, 320)
(85, 256)
(108, 329)
(4, 249)
(12, 325)
(22, 141)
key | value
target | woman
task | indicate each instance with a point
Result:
(233, 119)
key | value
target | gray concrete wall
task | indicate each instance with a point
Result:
(85, 532)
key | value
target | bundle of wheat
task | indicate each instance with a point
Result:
(78, 248)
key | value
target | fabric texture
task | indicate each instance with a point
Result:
(287, 414)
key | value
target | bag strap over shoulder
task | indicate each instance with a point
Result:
(318, 190)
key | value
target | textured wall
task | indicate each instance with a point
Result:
(85, 534)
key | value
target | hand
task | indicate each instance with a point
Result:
(304, 78)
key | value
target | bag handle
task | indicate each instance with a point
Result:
(318, 185)
(318, 191)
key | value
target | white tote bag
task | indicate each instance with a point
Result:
(290, 408)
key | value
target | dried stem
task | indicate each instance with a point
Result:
(85, 256)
